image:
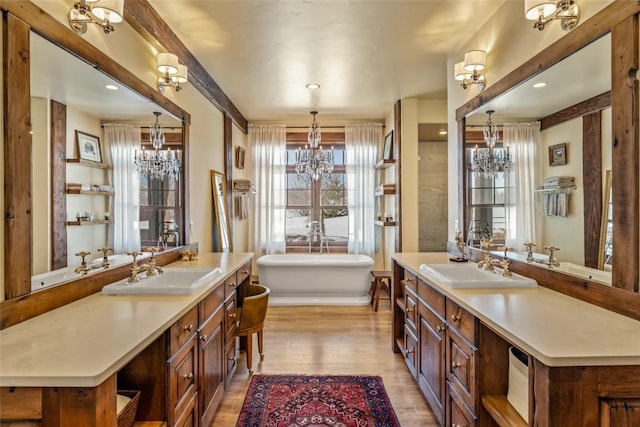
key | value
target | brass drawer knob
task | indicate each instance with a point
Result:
(188, 376)
(440, 328)
(409, 351)
(232, 284)
(188, 328)
(203, 338)
(455, 318)
(455, 365)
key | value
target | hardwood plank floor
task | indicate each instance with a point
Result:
(330, 340)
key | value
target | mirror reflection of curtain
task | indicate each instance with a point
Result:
(522, 224)
(267, 159)
(122, 141)
(361, 144)
(221, 238)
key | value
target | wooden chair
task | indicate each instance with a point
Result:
(381, 279)
(251, 318)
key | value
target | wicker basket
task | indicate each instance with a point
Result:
(127, 416)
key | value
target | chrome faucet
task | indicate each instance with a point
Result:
(553, 261)
(84, 268)
(150, 268)
(530, 246)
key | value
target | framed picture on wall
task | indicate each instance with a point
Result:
(388, 146)
(240, 157)
(558, 154)
(88, 147)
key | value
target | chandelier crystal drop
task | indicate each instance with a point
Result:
(313, 160)
(489, 161)
(158, 163)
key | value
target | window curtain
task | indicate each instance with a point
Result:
(361, 146)
(522, 224)
(267, 159)
(121, 142)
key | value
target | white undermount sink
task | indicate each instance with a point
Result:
(174, 281)
(469, 276)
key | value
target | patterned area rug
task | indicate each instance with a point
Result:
(316, 400)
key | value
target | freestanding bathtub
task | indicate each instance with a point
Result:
(316, 279)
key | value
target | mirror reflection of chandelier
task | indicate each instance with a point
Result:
(158, 163)
(313, 160)
(489, 161)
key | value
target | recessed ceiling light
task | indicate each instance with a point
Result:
(111, 87)
(313, 86)
(540, 84)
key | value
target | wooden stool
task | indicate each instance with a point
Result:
(380, 279)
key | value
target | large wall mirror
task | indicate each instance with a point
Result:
(69, 220)
(221, 225)
(497, 202)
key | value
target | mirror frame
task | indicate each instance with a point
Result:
(221, 226)
(620, 18)
(21, 17)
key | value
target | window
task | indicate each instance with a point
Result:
(486, 204)
(322, 202)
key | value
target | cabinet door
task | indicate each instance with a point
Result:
(211, 358)
(458, 414)
(620, 412)
(183, 372)
(410, 350)
(461, 368)
(431, 367)
(230, 316)
(189, 417)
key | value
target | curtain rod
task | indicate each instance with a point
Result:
(323, 127)
(479, 126)
(148, 127)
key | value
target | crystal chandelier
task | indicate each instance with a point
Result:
(313, 160)
(489, 161)
(158, 163)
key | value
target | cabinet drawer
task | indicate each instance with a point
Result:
(189, 417)
(459, 414)
(230, 316)
(230, 359)
(463, 321)
(183, 373)
(461, 368)
(243, 272)
(434, 299)
(182, 330)
(230, 285)
(411, 281)
(410, 350)
(210, 304)
(410, 304)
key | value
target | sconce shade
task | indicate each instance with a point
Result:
(459, 72)
(168, 63)
(109, 10)
(181, 75)
(474, 60)
(533, 9)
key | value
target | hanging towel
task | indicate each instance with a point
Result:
(562, 204)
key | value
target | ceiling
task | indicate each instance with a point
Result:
(364, 54)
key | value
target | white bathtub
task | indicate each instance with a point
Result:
(316, 279)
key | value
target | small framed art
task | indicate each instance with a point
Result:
(388, 146)
(88, 147)
(240, 157)
(558, 154)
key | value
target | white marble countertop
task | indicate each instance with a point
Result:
(83, 343)
(556, 329)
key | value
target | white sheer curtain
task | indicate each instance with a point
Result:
(121, 142)
(522, 224)
(361, 145)
(267, 159)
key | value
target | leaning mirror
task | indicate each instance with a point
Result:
(75, 195)
(544, 192)
(221, 226)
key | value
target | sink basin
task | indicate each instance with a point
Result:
(174, 281)
(469, 276)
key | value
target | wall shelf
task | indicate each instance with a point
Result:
(384, 190)
(384, 164)
(385, 223)
(91, 193)
(90, 164)
(94, 222)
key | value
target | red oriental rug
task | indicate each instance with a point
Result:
(317, 400)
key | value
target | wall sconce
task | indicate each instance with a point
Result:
(99, 12)
(544, 11)
(466, 71)
(173, 73)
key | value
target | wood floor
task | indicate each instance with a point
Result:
(330, 340)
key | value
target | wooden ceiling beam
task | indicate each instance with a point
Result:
(148, 23)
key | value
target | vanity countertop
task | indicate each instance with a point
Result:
(83, 343)
(556, 329)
